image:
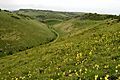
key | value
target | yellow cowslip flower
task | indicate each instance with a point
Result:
(77, 74)
(114, 60)
(80, 70)
(85, 69)
(77, 57)
(76, 64)
(96, 76)
(96, 66)
(9, 72)
(29, 74)
(82, 73)
(12, 79)
(119, 47)
(118, 66)
(119, 78)
(16, 78)
(116, 71)
(69, 71)
(90, 53)
(22, 77)
(70, 75)
(58, 73)
(106, 77)
(63, 73)
(80, 79)
(80, 54)
(101, 78)
(75, 70)
(106, 66)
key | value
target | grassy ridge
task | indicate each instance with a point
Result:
(18, 33)
(91, 54)
(74, 26)
(47, 16)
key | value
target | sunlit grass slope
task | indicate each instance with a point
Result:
(92, 54)
(18, 33)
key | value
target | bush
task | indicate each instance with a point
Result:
(6, 11)
(25, 16)
(118, 18)
(1, 51)
(10, 53)
(16, 17)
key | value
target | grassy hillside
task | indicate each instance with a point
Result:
(74, 26)
(47, 16)
(18, 33)
(91, 54)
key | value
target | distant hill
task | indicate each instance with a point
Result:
(18, 33)
(47, 16)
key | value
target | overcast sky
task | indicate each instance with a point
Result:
(99, 6)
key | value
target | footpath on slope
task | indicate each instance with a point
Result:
(57, 35)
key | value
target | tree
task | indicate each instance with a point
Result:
(119, 18)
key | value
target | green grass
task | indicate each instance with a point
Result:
(90, 52)
(74, 26)
(48, 16)
(18, 33)
(51, 22)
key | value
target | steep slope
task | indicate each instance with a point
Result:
(93, 54)
(75, 26)
(18, 33)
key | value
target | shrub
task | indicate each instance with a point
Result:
(20, 50)
(0, 50)
(6, 11)
(25, 16)
(118, 19)
(16, 17)
(10, 53)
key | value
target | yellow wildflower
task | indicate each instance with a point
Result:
(106, 77)
(69, 71)
(70, 74)
(96, 76)
(80, 70)
(90, 53)
(101, 78)
(77, 74)
(116, 71)
(106, 66)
